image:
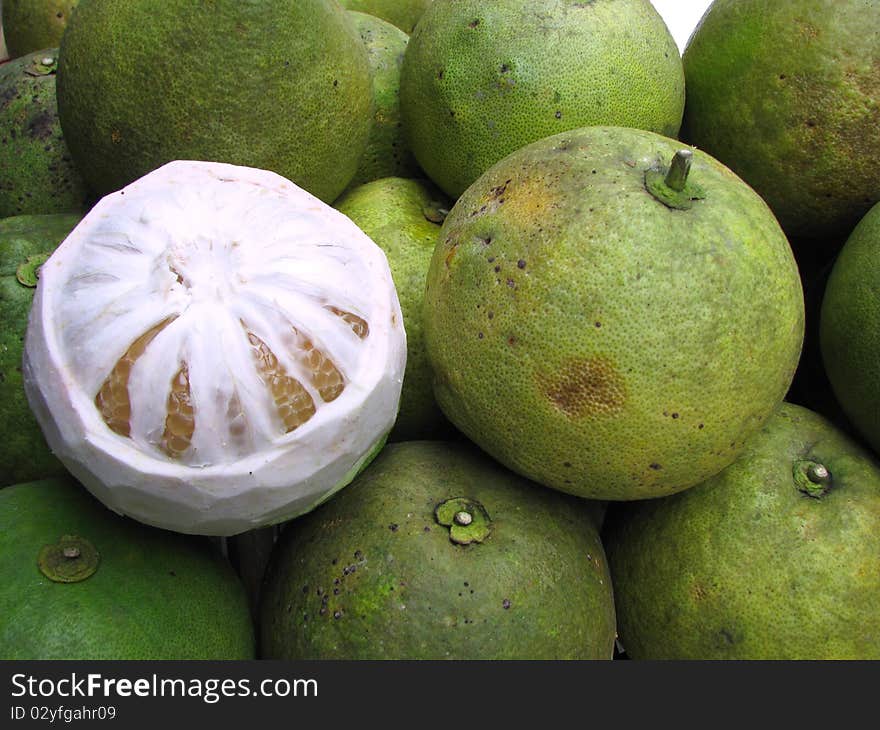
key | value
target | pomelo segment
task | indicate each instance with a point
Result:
(214, 349)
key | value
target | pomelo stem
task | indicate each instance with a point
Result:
(818, 474)
(679, 169)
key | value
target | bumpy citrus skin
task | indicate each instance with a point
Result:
(372, 575)
(402, 13)
(481, 80)
(155, 594)
(30, 25)
(597, 341)
(283, 86)
(849, 328)
(37, 174)
(387, 154)
(24, 242)
(392, 212)
(787, 95)
(748, 565)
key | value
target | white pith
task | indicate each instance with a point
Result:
(223, 250)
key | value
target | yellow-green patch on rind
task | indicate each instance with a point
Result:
(372, 575)
(597, 341)
(154, 594)
(480, 80)
(387, 154)
(403, 218)
(24, 455)
(787, 94)
(281, 86)
(749, 566)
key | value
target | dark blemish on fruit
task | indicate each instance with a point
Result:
(440, 74)
(700, 426)
(426, 529)
(584, 387)
(490, 315)
(474, 23)
(172, 573)
(334, 561)
(497, 269)
(323, 611)
(335, 591)
(675, 415)
(505, 604)
(289, 607)
(305, 589)
(491, 259)
(337, 614)
(511, 283)
(511, 340)
(393, 527)
(566, 464)
(521, 264)
(504, 68)
(655, 466)
(598, 325)
(810, 123)
(358, 554)
(782, 77)
(479, 335)
(558, 114)
(335, 82)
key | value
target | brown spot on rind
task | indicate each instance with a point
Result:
(585, 387)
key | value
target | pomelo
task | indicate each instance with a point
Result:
(402, 13)
(37, 174)
(849, 327)
(480, 80)
(600, 331)
(213, 349)
(80, 582)
(33, 25)
(773, 558)
(787, 94)
(437, 552)
(403, 217)
(281, 86)
(386, 154)
(25, 243)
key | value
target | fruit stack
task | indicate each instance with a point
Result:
(400, 329)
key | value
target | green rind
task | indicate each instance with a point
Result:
(598, 342)
(787, 94)
(37, 175)
(746, 566)
(30, 25)
(849, 327)
(281, 86)
(480, 80)
(396, 587)
(155, 594)
(24, 455)
(387, 154)
(391, 212)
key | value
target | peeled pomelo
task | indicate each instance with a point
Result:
(213, 349)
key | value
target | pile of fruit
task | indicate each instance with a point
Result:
(400, 329)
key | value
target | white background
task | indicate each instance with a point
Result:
(681, 17)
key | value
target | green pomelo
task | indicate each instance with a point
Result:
(598, 341)
(787, 94)
(387, 154)
(32, 25)
(25, 243)
(37, 174)
(390, 569)
(849, 327)
(281, 86)
(403, 217)
(770, 559)
(401, 13)
(480, 80)
(153, 594)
